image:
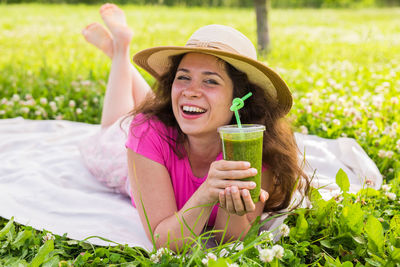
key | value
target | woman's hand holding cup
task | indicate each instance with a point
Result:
(224, 174)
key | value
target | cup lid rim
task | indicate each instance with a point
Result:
(233, 128)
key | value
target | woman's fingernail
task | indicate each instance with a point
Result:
(245, 193)
(247, 164)
(254, 170)
(253, 185)
(234, 190)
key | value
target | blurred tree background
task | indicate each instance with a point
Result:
(233, 3)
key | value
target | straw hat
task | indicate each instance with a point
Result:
(231, 46)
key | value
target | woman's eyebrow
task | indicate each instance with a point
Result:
(212, 73)
(205, 72)
(182, 69)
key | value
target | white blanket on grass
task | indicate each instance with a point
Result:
(44, 183)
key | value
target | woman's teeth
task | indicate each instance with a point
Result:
(193, 109)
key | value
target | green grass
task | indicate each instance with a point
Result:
(343, 67)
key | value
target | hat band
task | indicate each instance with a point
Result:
(213, 45)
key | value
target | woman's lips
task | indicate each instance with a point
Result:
(192, 112)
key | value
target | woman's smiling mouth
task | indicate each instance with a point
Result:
(192, 112)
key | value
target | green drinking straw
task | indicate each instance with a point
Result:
(237, 104)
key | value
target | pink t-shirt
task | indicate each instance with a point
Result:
(149, 138)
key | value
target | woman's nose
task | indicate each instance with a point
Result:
(192, 90)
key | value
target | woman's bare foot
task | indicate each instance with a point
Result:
(115, 20)
(98, 36)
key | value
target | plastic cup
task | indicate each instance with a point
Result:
(244, 144)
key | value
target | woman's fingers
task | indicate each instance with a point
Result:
(237, 201)
(227, 165)
(264, 195)
(222, 201)
(232, 169)
(231, 200)
(248, 202)
(222, 184)
(228, 204)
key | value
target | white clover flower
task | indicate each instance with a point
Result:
(239, 247)
(386, 130)
(333, 98)
(304, 101)
(303, 129)
(268, 235)
(154, 258)
(284, 229)
(382, 153)
(86, 82)
(386, 187)
(223, 252)
(25, 110)
(48, 236)
(38, 112)
(53, 106)
(389, 154)
(209, 256)
(74, 83)
(15, 98)
(95, 100)
(30, 102)
(59, 117)
(52, 81)
(278, 250)
(336, 122)
(43, 100)
(78, 111)
(373, 129)
(391, 196)
(377, 101)
(71, 104)
(370, 123)
(267, 255)
(233, 265)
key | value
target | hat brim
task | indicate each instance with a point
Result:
(156, 61)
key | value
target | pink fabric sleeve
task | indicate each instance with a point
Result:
(144, 138)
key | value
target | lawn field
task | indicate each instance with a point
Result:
(343, 68)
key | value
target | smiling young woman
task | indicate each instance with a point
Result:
(174, 153)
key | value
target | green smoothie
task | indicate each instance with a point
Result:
(245, 145)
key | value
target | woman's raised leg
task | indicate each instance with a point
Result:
(126, 87)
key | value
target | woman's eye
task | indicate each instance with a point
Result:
(182, 77)
(211, 81)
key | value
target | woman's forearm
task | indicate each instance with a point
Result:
(237, 227)
(187, 223)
